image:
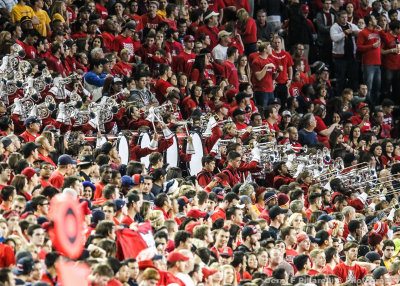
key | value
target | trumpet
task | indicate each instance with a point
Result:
(44, 109)
(261, 129)
(226, 142)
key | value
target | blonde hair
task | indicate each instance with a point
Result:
(315, 252)
(337, 224)
(156, 218)
(242, 16)
(293, 217)
(224, 267)
(226, 127)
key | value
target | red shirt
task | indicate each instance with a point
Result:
(56, 179)
(285, 60)
(99, 190)
(231, 74)
(184, 62)
(266, 83)
(216, 5)
(365, 40)
(161, 89)
(108, 40)
(127, 220)
(313, 272)
(47, 159)
(390, 61)
(238, 4)
(151, 23)
(249, 35)
(175, 48)
(28, 137)
(349, 273)
(212, 32)
(356, 120)
(102, 11)
(30, 51)
(55, 64)
(219, 213)
(122, 68)
(7, 257)
(121, 42)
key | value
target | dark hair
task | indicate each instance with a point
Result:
(160, 200)
(7, 192)
(181, 236)
(51, 259)
(207, 159)
(300, 260)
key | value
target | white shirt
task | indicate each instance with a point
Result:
(220, 52)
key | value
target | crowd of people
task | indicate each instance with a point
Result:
(295, 104)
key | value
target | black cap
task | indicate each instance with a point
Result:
(130, 26)
(249, 230)
(276, 100)
(379, 272)
(28, 148)
(372, 256)
(86, 159)
(238, 111)
(31, 119)
(24, 266)
(275, 211)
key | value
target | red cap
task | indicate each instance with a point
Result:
(28, 172)
(196, 213)
(190, 227)
(381, 228)
(305, 8)
(334, 195)
(362, 105)
(301, 236)
(146, 264)
(188, 38)
(226, 251)
(208, 272)
(176, 256)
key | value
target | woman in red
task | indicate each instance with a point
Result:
(355, 138)
(195, 101)
(320, 95)
(199, 71)
(388, 152)
(248, 31)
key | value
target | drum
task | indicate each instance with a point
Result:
(171, 156)
(144, 142)
(195, 165)
(123, 149)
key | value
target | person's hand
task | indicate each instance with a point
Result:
(35, 20)
(149, 55)
(155, 136)
(376, 44)
(163, 125)
(249, 128)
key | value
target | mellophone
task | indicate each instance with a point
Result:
(171, 155)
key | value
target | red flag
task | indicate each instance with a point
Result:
(129, 243)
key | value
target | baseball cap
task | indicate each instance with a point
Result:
(24, 266)
(362, 105)
(117, 80)
(28, 172)
(176, 256)
(65, 160)
(31, 119)
(286, 113)
(29, 147)
(188, 38)
(86, 159)
(223, 33)
(219, 192)
(305, 8)
(301, 236)
(226, 252)
(396, 228)
(208, 272)
(130, 26)
(209, 14)
(276, 100)
(275, 211)
(137, 179)
(249, 230)
(183, 201)
(238, 111)
(6, 142)
(119, 204)
(24, 19)
(325, 217)
(195, 213)
(127, 181)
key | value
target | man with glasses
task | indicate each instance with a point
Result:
(40, 206)
(46, 169)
